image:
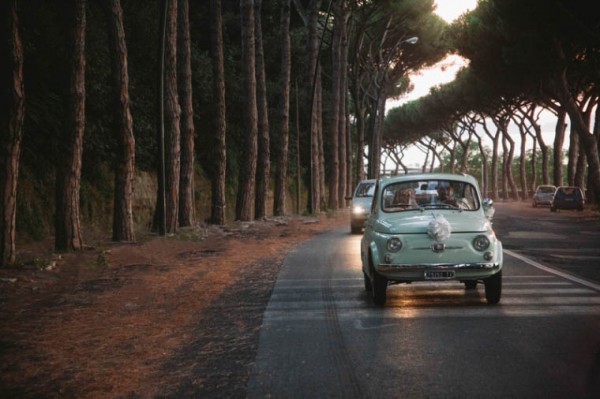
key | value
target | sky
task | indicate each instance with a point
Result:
(438, 74)
(444, 71)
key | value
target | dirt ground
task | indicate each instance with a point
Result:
(163, 317)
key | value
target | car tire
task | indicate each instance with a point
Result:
(379, 288)
(552, 209)
(493, 288)
(534, 204)
(471, 284)
(355, 229)
(368, 286)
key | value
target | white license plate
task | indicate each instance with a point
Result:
(439, 274)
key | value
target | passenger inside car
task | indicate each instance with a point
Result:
(405, 199)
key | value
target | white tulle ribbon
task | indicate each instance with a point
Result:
(439, 228)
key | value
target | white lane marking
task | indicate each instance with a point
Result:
(547, 269)
(385, 317)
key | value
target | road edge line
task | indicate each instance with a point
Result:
(548, 269)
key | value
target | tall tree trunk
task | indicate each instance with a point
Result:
(172, 122)
(510, 180)
(505, 165)
(123, 226)
(559, 139)
(321, 147)
(495, 143)
(263, 166)
(573, 156)
(360, 142)
(522, 165)
(313, 55)
(9, 175)
(533, 164)
(67, 224)
(341, 21)
(376, 138)
(580, 171)
(484, 167)
(349, 174)
(247, 177)
(334, 160)
(186, 175)
(544, 150)
(587, 139)
(218, 141)
(284, 130)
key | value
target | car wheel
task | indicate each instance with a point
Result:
(552, 209)
(534, 204)
(368, 287)
(471, 284)
(355, 229)
(493, 288)
(379, 288)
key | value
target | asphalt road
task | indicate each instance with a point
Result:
(323, 338)
(568, 240)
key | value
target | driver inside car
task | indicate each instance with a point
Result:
(446, 195)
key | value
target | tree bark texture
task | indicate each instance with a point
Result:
(247, 176)
(494, 172)
(334, 161)
(12, 147)
(184, 63)
(123, 225)
(376, 132)
(313, 54)
(341, 20)
(360, 142)
(587, 139)
(263, 165)
(559, 139)
(67, 224)
(172, 123)
(218, 200)
(284, 129)
(522, 166)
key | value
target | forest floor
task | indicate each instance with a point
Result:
(176, 316)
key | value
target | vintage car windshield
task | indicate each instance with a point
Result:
(365, 189)
(429, 194)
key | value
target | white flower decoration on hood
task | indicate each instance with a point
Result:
(439, 228)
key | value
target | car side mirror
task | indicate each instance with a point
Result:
(488, 208)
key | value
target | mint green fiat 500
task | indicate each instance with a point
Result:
(440, 233)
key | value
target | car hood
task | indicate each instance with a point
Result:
(418, 223)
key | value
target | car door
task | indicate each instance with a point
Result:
(368, 232)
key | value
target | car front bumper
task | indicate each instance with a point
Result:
(358, 219)
(419, 272)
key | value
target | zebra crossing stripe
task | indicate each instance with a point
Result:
(547, 269)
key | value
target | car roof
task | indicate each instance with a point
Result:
(570, 187)
(366, 181)
(430, 176)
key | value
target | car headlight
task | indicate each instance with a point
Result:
(394, 244)
(359, 209)
(481, 243)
